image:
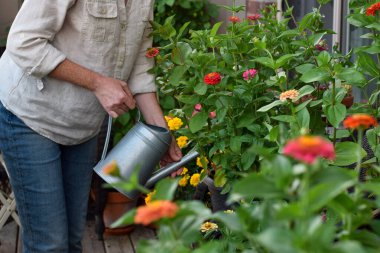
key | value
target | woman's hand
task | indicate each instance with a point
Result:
(174, 154)
(114, 95)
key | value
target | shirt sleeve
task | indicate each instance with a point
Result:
(140, 81)
(31, 34)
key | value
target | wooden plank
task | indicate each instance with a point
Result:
(90, 241)
(141, 233)
(8, 238)
(118, 244)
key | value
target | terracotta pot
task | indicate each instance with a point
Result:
(116, 206)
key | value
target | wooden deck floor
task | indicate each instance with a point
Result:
(10, 241)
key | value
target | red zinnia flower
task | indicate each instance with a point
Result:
(309, 148)
(356, 121)
(372, 9)
(152, 52)
(254, 17)
(212, 78)
(155, 211)
(234, 19)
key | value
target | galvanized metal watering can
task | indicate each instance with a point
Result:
(141, 149)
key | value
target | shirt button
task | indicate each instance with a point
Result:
(103, 11)
(123, 26)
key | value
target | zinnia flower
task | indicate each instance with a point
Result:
(234, 19)
(254, 17)
(195, 179)
(183, 181)
(148, 197)
(208, 226)
(112, 169)
(289, 94)
(184, 170)
(199, 163)
(322, 45)
(359, 120)
(249, 73)
(372, 9)
(155, 211)
(212, 115)
(152, 52)
(182, 141)
(308, 148)
(212, 78)
(175, 123)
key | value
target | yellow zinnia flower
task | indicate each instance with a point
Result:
(199, 163)
(195, 178)
(175, 123)
(183, 181)
(184, 171)
(207, 226)
(148, 197)
(182, 141)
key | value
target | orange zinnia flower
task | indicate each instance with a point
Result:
(152, 52)
(289, 94)
(356, 121)
(155, 211)
(372, 9)
(212, 78)
(254, 17)
(309, 148)
(112, 169)
(234, 19)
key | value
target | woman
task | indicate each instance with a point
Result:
(67, 64)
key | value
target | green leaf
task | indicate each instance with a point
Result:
(180, 53)
(263, 188)
(304, 90)
(165, 189)
(352, 76)
(304, 68)
(323, 59)
(315, 75)
(346, 153)
(198, 121)
(277, 240)
(303, 118)
(284, 59)
(182, 29)
(215, 28)
(359, 20)
(127, 219)
(270, 106)
(284, 118)
(235, 144)
(266, 61)
(335, 114)
(200, 88)
(323, 192)
(367, 64)
(177, 75)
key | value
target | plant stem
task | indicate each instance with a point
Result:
(359, 151)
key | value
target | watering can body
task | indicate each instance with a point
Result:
(141, 150)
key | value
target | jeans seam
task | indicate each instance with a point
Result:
(21, 189)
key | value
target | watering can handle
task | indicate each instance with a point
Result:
(108, 136)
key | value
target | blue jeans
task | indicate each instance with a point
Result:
(51, 183)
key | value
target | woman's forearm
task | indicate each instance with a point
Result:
(150, 109)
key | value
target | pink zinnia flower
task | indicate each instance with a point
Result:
(308, 148)
(212, 115)
(254, 17)
(152, 52)
(198, 107)
(249, 73)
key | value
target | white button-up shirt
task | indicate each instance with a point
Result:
(106, 36)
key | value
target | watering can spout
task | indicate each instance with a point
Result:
(170, 168)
